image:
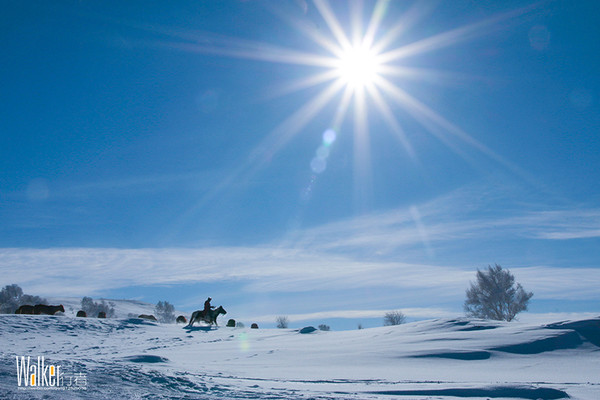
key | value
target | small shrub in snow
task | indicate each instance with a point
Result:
(324, 327)
(282, 322)
(394, 318)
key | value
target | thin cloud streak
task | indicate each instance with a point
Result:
(445, 220)
(417, 313)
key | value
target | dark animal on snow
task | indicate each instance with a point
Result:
(148, 317)
(24, 309)
(81, 313)
(181, 319)
(210, 319)
(49, 310)
(101, 314)
(254, 326)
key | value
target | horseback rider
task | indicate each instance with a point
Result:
(207, 309)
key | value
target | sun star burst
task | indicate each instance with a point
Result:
(358, 66)
(362, 70)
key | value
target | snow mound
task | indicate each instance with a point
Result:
(307, 329)
(589, 329)
(127, 358)
(564, 339)
(458, 355)
(492, 392)
(146, 358)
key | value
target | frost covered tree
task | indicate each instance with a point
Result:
(282, 322)
(495, 296)
(12, 296)
(394, 318)
(165, 312)
(92, 308)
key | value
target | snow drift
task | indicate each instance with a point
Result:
(131, 358)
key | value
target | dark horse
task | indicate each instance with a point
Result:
(40, 309)
(50, 310)
(198, 315)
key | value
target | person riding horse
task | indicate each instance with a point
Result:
(207, 308)
(209, 317)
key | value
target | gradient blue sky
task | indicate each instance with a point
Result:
(164, 151)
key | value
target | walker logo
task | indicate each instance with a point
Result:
(37, 374)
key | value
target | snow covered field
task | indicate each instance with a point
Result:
(129, 358)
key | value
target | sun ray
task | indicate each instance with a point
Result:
(212, 43)
(256, 51)
(288, 129)
(333, 23)
(409, 19)
(425, 74)
(342, 109)
(309, 31)
(356, 22)
(305, 83)
(451, 37)
(374, 22)
(423, 112)
(391, 120)
(362, 153)
(263, 152)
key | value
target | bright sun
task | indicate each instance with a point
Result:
(358, 66)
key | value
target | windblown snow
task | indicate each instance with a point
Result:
(130, 358)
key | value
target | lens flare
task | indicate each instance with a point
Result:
(329, 137)
(243, 343)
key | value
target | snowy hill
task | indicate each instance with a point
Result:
(437, 359)
(123, 308)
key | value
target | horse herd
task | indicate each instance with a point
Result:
(197, 316)
(50, 310)
(39, 309)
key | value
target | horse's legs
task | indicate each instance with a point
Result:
(192, 319)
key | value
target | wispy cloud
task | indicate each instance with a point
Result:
(391, 250)
(460, 216)
(81, 270)
(417, 313)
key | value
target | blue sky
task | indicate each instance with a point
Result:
(171, 152)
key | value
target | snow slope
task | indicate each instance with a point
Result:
(123, 308)
(437, 359)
